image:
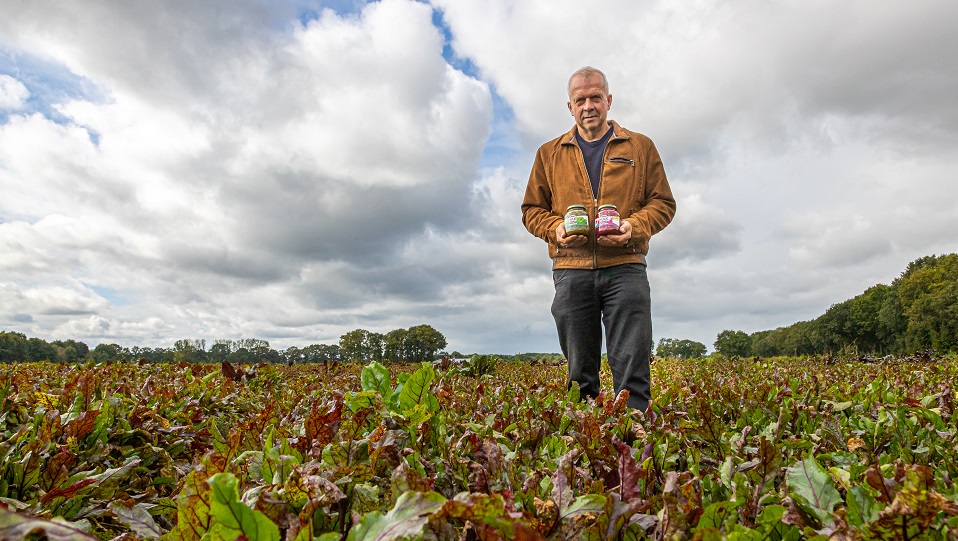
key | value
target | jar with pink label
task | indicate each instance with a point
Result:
(607, 221)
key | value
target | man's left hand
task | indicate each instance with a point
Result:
(624, 236)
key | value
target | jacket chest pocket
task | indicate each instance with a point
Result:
(625, 179)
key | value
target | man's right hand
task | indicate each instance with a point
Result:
(569, 241)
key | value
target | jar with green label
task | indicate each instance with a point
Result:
(576, 220)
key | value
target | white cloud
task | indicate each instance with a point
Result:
(50, 300)
(13, 93)
(704, 232)
(230, 169)
(207, 201)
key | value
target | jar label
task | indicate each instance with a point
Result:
(576, 224)
(608, 224)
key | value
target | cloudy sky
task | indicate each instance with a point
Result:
(294, 170)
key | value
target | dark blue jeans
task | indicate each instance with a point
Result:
(617, 298)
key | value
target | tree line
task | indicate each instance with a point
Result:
(413, 345)
(918, 311)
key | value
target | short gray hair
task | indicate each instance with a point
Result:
(588, 71)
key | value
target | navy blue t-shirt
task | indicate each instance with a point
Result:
(592, 152)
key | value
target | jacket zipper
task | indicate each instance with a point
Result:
(595, 200)
(595, 240)
(595, 206)
(614, 159)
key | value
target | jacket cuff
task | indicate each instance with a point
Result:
(640, 229)
(551, 233)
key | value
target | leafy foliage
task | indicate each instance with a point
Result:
(918, 311)
(782, 448)
(733, 344)
(680, 349)
(413, 345)
(479, 365)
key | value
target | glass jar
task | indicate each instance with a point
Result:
(576, 220)
(607, 221)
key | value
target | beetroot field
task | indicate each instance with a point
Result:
(756, 449)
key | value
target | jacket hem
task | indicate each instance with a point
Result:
(589, 264)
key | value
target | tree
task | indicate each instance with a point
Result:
(680, 349)
(262, 353)
(423, 342)
(157, 355)
(13, 347)
(733, 344)
(352, 345)
(893, 322)
(928, 293)
(413, 345)
(868, 332)
(799, 339)
(293, 354)
(107, 352)
(38, 350)
(373, 346)
(394, 345)
(933, 320)
(71, 351)
(220, 351)
(318, 353)
(770, 343)
(251, 344)
(189, 351)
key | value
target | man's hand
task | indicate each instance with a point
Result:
(625, 234)
(569, 241)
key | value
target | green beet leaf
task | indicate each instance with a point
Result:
(489, 509)
(417, 415)
(365, 498)
(416, 391)
(363, 399)
(232, 518)
(405, 519)
(192, 509)
(862, 506)
(16, 527)
(719, 515)
(585, 504)
(815, 489)
(562, 493)
(137, 518)
(375, 377)
(104, 421)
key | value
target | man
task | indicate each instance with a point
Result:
(600, 281)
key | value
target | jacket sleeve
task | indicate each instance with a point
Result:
(537, 214)
(658, 208)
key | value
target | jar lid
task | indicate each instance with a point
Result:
(576, 207)
(606, 207)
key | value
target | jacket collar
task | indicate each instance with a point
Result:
(617, 133)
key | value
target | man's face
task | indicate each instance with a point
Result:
(589, 105)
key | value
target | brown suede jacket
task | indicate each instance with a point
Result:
(633, 179)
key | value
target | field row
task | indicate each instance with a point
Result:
(755, 449)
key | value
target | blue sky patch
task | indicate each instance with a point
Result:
(113, 296)
(49, 84)
(343, 8)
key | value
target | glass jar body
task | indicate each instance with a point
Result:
(576, 220)
(607, 221)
